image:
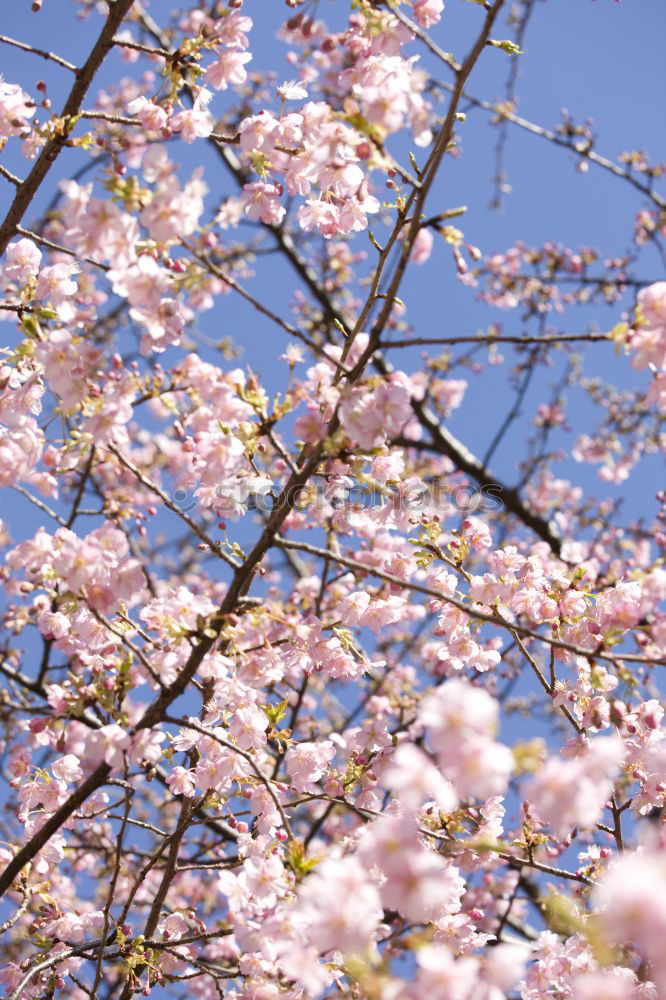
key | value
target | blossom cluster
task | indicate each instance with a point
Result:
(292, 749)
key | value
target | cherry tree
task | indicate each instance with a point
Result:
(302, 694)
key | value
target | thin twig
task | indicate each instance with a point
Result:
(215, 547)
(559, 140)
(9, 176)
(59, 248)
(42, 53)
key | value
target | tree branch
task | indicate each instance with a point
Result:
(51, 151)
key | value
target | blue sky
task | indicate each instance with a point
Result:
(599, 59)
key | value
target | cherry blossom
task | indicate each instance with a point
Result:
(326, 667)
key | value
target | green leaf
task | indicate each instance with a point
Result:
(276, 713)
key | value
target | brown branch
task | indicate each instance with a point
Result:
(154, 714)
(558, 140)
(564, 338)
(39, 503)
(492, 619)
(444, 442)
(548, 688)
(264, 779)
(49, 154)
(138, 47)
(169, 871)
(14, 919)
(417, 201)
(58, 248)
(501, 177)
(112, 886)
(42, 53)
(446, 57)
(52, 825)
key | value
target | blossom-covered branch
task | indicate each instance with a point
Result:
(299, 695)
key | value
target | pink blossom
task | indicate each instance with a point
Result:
(439, 974)
(460, 721)
(631, 900)
(340, 907)
(307, 763)
(259, 132)
(67, 768)
(353, 217)
(108, 743)
(15, 109)
(262, 201)
(618, 983)
(299, 962)
(416, 780)
(248, 727)
(379, 614)
(290, 598)
(572, 793)
(232, 29)
(265, 879)
(229, 68)
(320, 215)
(656, 393)
(419, 883)
(428, 12)
(195, 122)
(23, 259)
(151, 115)
(369, 417)
(652, 304)
(182, 782)
(343, 178)
(459, 709)
(649, 346)
(292, 91)
(21, 448)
